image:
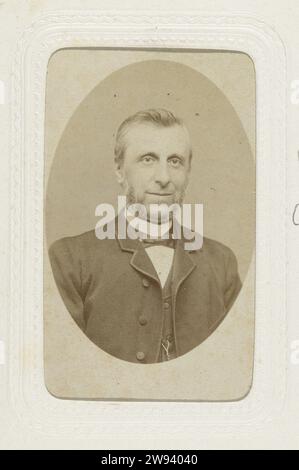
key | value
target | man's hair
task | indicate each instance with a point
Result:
(157, 117)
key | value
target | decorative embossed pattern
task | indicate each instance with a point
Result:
(30, 399)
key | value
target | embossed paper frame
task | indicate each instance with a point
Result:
(32, 402)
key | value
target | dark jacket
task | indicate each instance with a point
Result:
(108, 286)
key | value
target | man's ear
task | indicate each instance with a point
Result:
(119, 171)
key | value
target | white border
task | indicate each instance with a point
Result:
(30, 399)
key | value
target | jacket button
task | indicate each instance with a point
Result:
(145, 282)
(142, 320)
(166, 305)
(140, 355)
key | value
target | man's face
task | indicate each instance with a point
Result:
(156, 164)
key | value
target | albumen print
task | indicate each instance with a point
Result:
(149, 224)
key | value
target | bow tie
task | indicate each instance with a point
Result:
(169, 242)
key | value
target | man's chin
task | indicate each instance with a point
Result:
(156, 207)
(159, 199)
(159, 212)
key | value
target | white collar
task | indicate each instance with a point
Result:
(148, 229)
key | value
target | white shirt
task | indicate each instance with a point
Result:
(160, 256)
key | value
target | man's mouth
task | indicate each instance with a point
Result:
(159, 194)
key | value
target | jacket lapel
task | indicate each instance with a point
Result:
(183, 263)
(183, 266)
(140, 260)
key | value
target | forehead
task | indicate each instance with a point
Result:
(147, 137)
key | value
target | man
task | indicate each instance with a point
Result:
(147, 300)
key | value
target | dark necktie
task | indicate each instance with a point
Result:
(169, 242)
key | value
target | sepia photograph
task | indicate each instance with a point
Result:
(149, 224)
(150, 212)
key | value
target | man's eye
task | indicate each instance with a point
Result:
(147, 159)
(175, 162)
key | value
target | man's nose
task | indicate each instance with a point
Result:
(162, 175)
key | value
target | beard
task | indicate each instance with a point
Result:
(132, 198)
(158, 215)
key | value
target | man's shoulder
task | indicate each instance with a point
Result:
(85, 242)
(217, 254)
(211, 248)
(215, 248)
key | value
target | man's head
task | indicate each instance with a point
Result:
(153, 157)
